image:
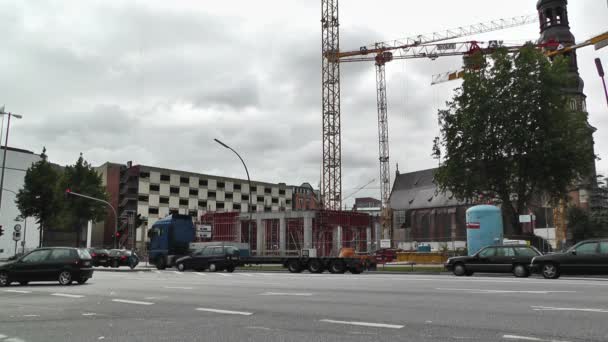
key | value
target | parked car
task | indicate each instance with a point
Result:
(586, 257)
(495, 259)
(63, 264)
(122, 257)
(213, 258)
(100, 256)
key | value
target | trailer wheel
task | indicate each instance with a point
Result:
(161, 263)
(337, 267)
(356, 269)
(315, 266)
(294, 266)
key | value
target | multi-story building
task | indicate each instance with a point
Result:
(154, 193)
(305, 197)
(17, 162)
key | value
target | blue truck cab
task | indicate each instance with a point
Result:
(170, 239)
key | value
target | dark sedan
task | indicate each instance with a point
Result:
(100, 256)
(213, 258)
(63, 264)
(586, 257)
(122, 257)
(495, 259)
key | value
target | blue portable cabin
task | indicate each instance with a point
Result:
(484, 227)
(170, 238)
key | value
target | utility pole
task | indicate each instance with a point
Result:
(600, 71)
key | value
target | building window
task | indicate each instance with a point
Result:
(202, 182)
(184, 180)
(236, 206)
(144, 175)
(261, 199)
(174, 190)
(193, 213)
(193, 192)
(163, 200)
(183, 201)
(288, 201)
(267, 209)
(211, 194)
(153, 211)
(237, 186)
(219, 205)
(275, 201)
(221, 185)
(202, 204)
(142, 198)
(154, 187)
(254, 208)
(228, 196)
(282, 192)
(267, 190)
(165, 178)
(245, 197)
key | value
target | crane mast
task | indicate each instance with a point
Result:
(331, 179)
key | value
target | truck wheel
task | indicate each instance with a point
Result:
(315, 266)
(161, 263)
(212, 268)
(294, 266)
(181, 267)
(337, 267)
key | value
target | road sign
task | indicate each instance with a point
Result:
(16, 236)
(385, 243)
(17, 228)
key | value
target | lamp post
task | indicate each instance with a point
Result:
(248, 181)
(8, 126)
(70, 192)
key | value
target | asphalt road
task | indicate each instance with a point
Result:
(173, 306)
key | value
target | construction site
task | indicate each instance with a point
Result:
(329, 229)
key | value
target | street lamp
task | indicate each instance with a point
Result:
(248, 181)
(70, 192)
(8, 126)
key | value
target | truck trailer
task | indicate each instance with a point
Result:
(171, 239)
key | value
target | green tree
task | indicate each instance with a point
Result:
(508, 132)
(76, 211)
(37, 198)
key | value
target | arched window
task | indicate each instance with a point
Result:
(559, 14)
(549, 17)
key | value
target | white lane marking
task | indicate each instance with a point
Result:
(285, 294)
(258, 328)
(3, 336)
(224, 275)
(177, 272)
(18, 291)
(246, 274)
(503, 291)
(126, 301)
(101, 337)
(160, 297)
(227, 312)
(200, 274)
(528, 338)
(179, 287)
(66, 295)
(158, 272)
(551, 308)
(89, 314)
(364, 324)
(14, 339)
(31, 315)
(428, 322)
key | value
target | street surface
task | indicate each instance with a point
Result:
(172, 306)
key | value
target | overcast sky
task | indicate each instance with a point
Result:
(155, 81)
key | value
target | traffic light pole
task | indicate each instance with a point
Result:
(69, 192)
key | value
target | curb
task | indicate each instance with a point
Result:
(122, 270)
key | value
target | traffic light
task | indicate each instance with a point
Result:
(66, 194)
(1, 230)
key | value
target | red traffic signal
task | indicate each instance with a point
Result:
(68, 190)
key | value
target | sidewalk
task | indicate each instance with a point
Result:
(126, 269)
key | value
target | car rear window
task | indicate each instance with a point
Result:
(525, 251)
(84, 254)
